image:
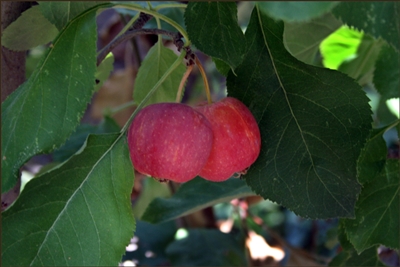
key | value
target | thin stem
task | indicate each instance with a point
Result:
(126, 105)
(133, 41)
(153, 90)
(170, 6)
(127, 24)
(155, 14)
(127, 35)
(204, 76)
(182, 84)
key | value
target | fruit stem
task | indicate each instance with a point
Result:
(182, 84)
(204, 76)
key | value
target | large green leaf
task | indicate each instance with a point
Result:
(302, 39)
(156, 63)
(207, 247)
(213, 28)
(61, 12)
(387, 72)
(295, 11)
(29, 30)
(380, 19)
(194, 195)
(377, 211)
(313, 124)
(41, 114)
(78, 214)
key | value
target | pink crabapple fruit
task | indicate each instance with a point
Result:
(236, 141)
(170, 141)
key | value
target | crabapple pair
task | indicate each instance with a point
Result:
(173, 141)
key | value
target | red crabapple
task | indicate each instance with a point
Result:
(236, 141)
(170, 141)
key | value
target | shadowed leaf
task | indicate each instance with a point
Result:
(313, 124)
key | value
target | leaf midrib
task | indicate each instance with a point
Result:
(84, 181)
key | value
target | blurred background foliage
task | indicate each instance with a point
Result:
(215, 236)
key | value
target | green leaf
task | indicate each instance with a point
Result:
(373, 156)
(207, 247)
(361, 68)
(380, 19)
(156, 63)
(78, 214)
(194, 195)
(377, 211)
(350, 257)
(302, 39)
(387, 72)
(60, 13)
(295, 11)
(41, 114)
(313, 124)
(340, 46)
(368, 257)
(31, 29)
(104, 70)
(213, 28)
(221, 66)
(78, 138)
(151, 188)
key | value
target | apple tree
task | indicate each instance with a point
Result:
(320, 78)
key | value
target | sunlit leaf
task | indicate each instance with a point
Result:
(313, 124)
(213, 28)
(340, 46)
(380, 18)
(76, 215)
(153, 67)
(41, 114)
(31, 29)
(303, 39)
(192, 196)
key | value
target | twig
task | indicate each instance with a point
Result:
(128, 35)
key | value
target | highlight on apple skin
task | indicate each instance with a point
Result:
(236, 141)
(170, 141)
